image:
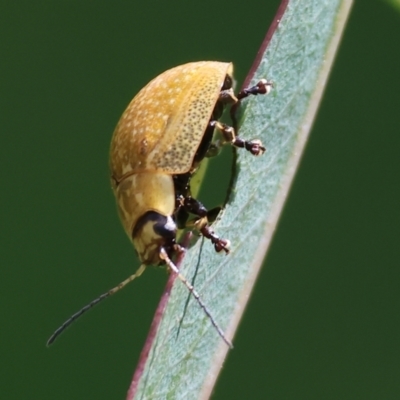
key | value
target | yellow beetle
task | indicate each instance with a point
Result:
(157, 146)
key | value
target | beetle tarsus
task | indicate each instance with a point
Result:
(254, 146)
(262, 87)
(201, 224)
(219, 243)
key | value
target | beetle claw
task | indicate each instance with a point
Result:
(222, 244)
(255, 147)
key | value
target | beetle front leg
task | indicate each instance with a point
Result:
(254, 146)
(219, 243)
(195, 207)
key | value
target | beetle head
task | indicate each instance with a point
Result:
(152, 232)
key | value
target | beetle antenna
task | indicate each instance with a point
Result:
(164, 256)
(82, 311)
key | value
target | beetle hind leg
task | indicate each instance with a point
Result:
(262, 87)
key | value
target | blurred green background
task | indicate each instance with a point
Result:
(323, 321)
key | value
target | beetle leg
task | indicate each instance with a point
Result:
(181, 214)
(254, 146)
(212, 214)
(194, 206)
(262, 87)
(219, 243)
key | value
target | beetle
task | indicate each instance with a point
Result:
(157, 146)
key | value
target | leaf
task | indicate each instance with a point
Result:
(184, 357)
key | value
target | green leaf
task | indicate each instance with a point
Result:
(187, 353)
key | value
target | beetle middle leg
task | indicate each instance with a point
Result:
(254, 146)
